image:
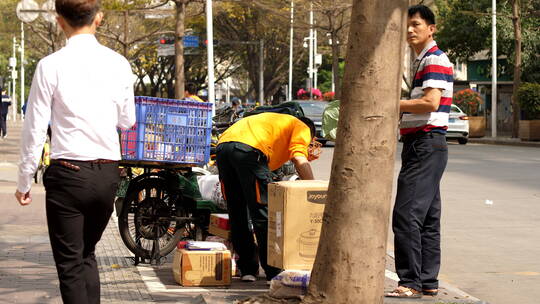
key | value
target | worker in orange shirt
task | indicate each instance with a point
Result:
(247, 152)
(191, 92)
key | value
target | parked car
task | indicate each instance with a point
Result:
(313, 109)
(458, 125)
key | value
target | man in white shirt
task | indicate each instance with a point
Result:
(85, 90)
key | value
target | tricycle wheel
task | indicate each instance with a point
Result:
(149, 213)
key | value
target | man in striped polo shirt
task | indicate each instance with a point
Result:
(417, 211)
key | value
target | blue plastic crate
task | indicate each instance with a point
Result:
(169, 130)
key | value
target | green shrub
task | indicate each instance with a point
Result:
(528, 96)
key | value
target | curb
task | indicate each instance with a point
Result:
(504, 142)
(446, 285)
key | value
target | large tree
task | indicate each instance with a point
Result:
(350, 263)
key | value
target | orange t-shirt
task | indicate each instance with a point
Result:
(279, 136)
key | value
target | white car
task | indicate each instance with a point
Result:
(458, 125)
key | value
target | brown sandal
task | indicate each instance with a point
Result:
(430, 292)
(404, 292)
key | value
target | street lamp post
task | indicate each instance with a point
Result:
(13, 64)
(261, 72)
(289, 89)
(23, 101)
(494, 71)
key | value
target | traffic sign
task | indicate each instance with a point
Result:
(191, 41)
(23, 7)
(49, 14)
(165, 50)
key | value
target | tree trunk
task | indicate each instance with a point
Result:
(335, 66)
(179, 49)
(350, 263)
(125, 43)
(516, 20)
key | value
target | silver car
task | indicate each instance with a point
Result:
(458, 125)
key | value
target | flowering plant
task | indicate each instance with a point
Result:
(329, 96)
(303, 94)
(468, 101)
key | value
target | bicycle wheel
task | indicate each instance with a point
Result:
(148, 215)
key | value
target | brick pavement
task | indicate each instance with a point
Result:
(27, 272)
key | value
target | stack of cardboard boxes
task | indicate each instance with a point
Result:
(295, 212)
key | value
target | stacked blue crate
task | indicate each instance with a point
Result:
(169, 130)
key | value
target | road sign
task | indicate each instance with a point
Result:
(12, 62)
(50, 14)
(191, 41)
(27, 5)
(165, 50)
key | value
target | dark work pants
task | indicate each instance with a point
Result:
(417, 211)
(79, 205)
(3, 117)
(240, 167)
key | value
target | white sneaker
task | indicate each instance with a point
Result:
(249, 278)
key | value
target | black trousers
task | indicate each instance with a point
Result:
(3, 118)
(241, 168)
(417, 211)
(79, 205)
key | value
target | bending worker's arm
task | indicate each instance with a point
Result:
(302, 167)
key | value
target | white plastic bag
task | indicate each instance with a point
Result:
(290, 284)
(210, 189)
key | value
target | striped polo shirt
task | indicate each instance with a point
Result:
(433, 70)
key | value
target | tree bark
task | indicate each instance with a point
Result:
(516, 20)
(179, 49)
(125, 43)
(350, 263)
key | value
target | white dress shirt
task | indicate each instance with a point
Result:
(85, 91)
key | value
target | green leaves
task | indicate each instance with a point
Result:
(529, 99)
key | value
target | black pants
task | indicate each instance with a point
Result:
(241, 167)
(79, 205)
(417, 211)
(3, 118)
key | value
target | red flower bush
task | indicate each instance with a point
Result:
(468, 100)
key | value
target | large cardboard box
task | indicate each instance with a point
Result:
(202, 267)
(295, 211)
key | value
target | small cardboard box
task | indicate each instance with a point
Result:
(219, 225)
(295, 211)
(202, 267)
(220, 220)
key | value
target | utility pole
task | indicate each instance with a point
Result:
(494, 70)
(289, 89)
(22, 65)
(14, 80)
(310, 67)
(261, 72)
(315, 59)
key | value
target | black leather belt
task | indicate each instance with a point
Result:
(70, 163)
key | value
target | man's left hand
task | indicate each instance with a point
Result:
(23, 198)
